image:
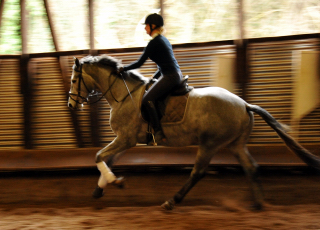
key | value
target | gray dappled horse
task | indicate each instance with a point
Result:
(214, 119)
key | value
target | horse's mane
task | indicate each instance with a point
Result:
(106, 60)
(103, 59)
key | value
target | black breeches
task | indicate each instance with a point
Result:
(161, 88)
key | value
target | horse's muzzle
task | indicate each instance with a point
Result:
(76, 106)
(70, 106)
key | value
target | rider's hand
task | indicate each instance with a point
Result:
(153, 80)
(120, 70)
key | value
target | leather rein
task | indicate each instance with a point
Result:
(93, 93)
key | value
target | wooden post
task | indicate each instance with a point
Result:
(27, 96)
(241, 20)
(91, 25)
(76, 124)
(94, 108)
(23, 26)
(94, 116)
(95, 123)
(319, 53)
(25, 80)
(53, 32)
(162, 8)
(1, 11)
(242, 66)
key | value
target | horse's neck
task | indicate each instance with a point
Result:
(116, 86)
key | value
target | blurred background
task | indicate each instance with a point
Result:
(117, 24)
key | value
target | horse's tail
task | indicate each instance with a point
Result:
(304, 154)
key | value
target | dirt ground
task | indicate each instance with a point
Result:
(62, 200)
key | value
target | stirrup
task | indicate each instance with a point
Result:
(156, 140)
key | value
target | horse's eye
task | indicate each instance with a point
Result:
(74, 81)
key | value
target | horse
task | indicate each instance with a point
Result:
(214, 119)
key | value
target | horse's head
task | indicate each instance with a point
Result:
(93, 74)
(80, 89)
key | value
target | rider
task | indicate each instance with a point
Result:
(168, 74)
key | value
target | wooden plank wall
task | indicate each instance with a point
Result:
(52, 125)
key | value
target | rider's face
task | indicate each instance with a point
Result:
(147, 28)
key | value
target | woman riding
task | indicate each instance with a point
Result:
(168, 74)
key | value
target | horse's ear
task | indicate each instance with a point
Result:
(76, 61)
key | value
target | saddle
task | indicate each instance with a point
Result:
(182, 89)
(171, 107)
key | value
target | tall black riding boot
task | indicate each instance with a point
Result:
(155, 121)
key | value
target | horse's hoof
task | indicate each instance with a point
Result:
(97, 193)
(119, 182)
(168, 205)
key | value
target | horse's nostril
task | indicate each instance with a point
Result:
(70, 105)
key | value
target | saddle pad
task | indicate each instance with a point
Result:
(175, 108)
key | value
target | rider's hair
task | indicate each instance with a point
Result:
(160, 30)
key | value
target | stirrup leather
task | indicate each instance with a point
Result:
(154, 143)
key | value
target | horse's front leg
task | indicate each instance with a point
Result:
(107, 176)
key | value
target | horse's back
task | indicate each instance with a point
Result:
(216, 92)
(217, 100)
(212, 111)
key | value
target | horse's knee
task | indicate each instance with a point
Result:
(251, 168)
(196, 176)
(255, 172)
(198, 173)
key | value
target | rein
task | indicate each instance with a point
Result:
(109, 89)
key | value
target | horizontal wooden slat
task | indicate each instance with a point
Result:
(270, 86)
(11, 105)
(51, 121)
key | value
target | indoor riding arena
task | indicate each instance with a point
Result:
(265, 53)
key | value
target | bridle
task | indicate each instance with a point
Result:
(94, 93)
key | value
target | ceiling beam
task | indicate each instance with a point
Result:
(24, 39)
(91, 24)
(53, 32)
(1, 12)
(241, 20)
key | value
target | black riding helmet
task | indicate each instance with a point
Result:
(154, 19)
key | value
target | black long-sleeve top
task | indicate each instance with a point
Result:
(160, 51)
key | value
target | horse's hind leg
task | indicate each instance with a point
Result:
(240, 150)
(204, 156)
(251, 169)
